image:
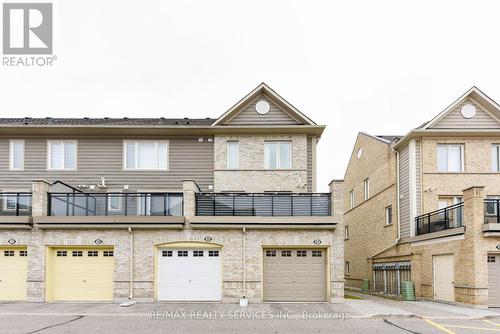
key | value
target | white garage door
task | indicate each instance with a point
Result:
(444, 274)
(189, 275)
(494, 280)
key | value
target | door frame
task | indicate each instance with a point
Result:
(188, 244)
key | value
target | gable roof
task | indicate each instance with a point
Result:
(474, 94)
(259, 90)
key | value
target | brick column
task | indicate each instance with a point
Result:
(471, 271)
(189, 189)
(36, 244)
(40, 198)
(337, 251)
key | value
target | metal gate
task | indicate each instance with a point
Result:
(388, 277)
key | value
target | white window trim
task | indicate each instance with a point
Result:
(497, 147)
(136, 158)
(11, 153)
(346, 268)
(366, 188)
(49, 154)
(278, 162)
(120, 197)
(237, 154)
(462, 159)
(346, 232)
(387, 216)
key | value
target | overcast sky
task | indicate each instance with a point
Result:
(382, 67)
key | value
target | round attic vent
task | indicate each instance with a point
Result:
(262, 107)
(360, 153)
(468, 111)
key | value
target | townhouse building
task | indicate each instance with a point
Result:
(424, 207)
(169, 209)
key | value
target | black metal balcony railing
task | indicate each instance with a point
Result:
(442, 219)
(15, 204)
(263, 204)
(115, 204)
(492, 211)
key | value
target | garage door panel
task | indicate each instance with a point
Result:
(296, 277)
(86, 275)
(493, 280)
(189, 275)
(13, 273)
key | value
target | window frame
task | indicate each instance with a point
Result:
(278, 159)
(4, 195)
(352, 199)
(346, 232)
(388, 215)
(237, 154)
(12, 142)
(495, 147)
(366, 188)
(347, 269)
(462, 157)
(63, 143)
(113, 194)
(136, 154)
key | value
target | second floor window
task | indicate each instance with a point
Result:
(62, 154)
(145, 155)
(366, 184)
(232, 155)
(351, 199)
(278, 155)
(450, 158)
(388, 215)
(495, 158)
(16, 155)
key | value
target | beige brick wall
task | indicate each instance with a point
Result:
(145, 241)
(368, 233)
(252, 175)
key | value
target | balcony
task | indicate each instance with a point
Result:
(115, 204)
(492, 211)
(263, 204)
(440, 220)
(15, 204)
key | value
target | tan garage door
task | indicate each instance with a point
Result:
(444, 274)
(494, 280)
(81, 274)
(13, 271)
(294, 275)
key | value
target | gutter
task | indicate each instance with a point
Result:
(244, 300)
(131, 295)
(397, 195)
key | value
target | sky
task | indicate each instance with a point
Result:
(382, 67)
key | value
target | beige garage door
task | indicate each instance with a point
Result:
(13, 272)
(444, 274)
(294, 275)
(81, 274)
(494, 280)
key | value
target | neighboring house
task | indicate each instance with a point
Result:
(168, 209)
(423, 207)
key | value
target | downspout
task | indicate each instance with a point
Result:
(131, 294)
(397, 195)
(244, 300)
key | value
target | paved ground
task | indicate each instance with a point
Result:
(367, 315)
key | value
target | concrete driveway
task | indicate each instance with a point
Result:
(367, 315)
